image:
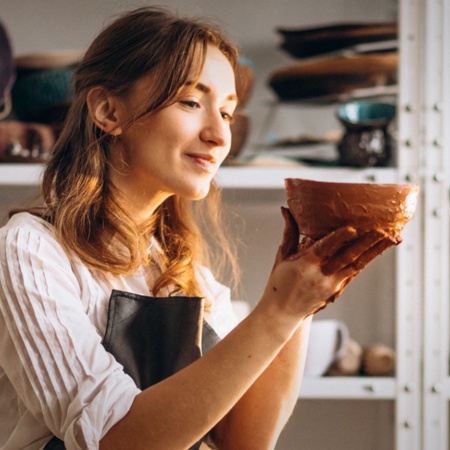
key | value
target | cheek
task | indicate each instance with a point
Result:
(224, 153)
(227, 149)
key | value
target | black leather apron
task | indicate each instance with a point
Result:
(154, 338)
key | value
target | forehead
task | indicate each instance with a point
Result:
(217, 73)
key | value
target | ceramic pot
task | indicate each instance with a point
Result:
(328, 341)
(367, 140)
(321, 207)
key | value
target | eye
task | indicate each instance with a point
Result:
(227, 117)
(190, 104)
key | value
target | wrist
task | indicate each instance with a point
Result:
(280, 324)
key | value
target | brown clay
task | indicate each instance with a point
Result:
(321, 207)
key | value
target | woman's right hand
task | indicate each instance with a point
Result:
(307, 276)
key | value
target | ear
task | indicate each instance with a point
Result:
(104, 110)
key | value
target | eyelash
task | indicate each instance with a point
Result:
(191, 104)
(228, 117)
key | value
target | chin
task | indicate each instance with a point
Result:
(200, 193)
(199, 196)
(193, 192)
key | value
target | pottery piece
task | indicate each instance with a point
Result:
(317, 40)
(327, 343)
(52, 59)
(37, 94)
(378, 360)
(327, 79)
(24, 142)
(350, 363)
(43, 89)
(321, 207)
(367, 140)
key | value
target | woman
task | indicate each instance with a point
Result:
(106, 305)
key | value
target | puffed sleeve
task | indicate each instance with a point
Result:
(49, 349)
(220, 315)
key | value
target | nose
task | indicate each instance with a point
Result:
(216, 131)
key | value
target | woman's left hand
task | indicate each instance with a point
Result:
(341, 255)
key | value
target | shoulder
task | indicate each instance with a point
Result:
(28, 223)
(34, 267)
(25, 235)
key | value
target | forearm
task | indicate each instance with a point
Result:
(258, 418)
(178, 411)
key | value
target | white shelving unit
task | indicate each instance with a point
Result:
(436, 145)
(273, 177)
(243, 177)
(20, 174)
(349, 388)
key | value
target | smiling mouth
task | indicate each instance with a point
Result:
(206, 162)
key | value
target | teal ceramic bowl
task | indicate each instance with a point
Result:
(36, 92)
(360, 112)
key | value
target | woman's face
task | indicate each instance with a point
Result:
(179, 149)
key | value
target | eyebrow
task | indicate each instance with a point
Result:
(205, 89)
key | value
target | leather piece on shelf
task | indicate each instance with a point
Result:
(327, 77)
(313, 41)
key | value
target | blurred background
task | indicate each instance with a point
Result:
(40, 26)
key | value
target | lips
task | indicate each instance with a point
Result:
(205, 161)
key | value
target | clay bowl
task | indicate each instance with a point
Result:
(321, 207)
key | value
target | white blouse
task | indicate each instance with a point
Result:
(55, 376)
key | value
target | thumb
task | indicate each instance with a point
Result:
(290, 239)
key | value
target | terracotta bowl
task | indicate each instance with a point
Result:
(321, 207)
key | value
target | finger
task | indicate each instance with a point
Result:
(368, 256)
(350, 253)
(290, 240)
(319, 309)
(339, 291)
(326, 247)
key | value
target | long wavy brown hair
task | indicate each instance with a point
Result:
(80, 202)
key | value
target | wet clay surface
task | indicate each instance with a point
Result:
(321, 207)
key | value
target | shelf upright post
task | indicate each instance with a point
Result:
(436, 220)
(408, 429)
